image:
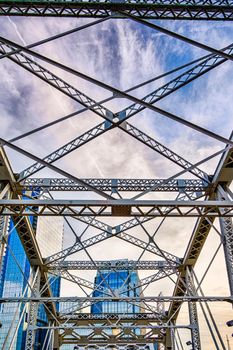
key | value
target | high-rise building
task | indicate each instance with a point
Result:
(122, 283)
(15, 272)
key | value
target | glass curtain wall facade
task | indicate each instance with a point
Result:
(13, 284)
(13, 281)
(123, 283)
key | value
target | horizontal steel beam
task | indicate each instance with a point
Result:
(114, 265)
(112, 185)
(120, 207)
(85, 343)
(119, 346)
(111, 327)
(86, 317)
(194, 10)
(148, 299)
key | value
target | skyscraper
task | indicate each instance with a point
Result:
(15, 272)
(123, 283)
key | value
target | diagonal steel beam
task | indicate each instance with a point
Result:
(71, 115)
(36, 69)
(52, 167)
(86, 137)
(12, 45)
(93, 133)
(163, 150)
(149, 247)
(64, 150)
(100, 238)
(160, 274)
(100, 129)
(206, 159)
(80, 281)
(156, 277)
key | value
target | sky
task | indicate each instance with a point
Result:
(123, 53)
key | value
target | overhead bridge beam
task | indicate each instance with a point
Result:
(147, 299)
(113, 185)
(119, 326)
(86, 318)
(120, 207)
(195, 10)
(114, 265)
(120, 343)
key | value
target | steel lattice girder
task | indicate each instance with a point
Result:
(111, 185)
(115, 265)
(111, 340)
(86, 318)
(123, 346)
(120, 326)
(121, 207)
(201, 10)
(148, 299)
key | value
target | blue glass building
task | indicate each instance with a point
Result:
(123, 283)
(13, 281)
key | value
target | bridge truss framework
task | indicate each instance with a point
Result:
(206, 196)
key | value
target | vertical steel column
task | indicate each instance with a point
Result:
(56, 342)
(173, 339)
(32, 313)
(195, 335)
(168, 340)
(161, 306)
(227, 240)
(161, 311)
(4, 222)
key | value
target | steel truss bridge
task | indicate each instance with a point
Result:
(205, 197)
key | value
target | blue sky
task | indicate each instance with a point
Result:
(122, 54)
